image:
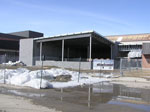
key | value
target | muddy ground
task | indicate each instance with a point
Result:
(9, 103)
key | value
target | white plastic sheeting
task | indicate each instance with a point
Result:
(135, 54)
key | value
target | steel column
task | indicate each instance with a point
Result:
(62, 50)
(90, 53)
(111, 51)
(41, 45)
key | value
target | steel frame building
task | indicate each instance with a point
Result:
(66, 50)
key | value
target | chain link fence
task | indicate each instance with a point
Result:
(89, 93)
(122, 66)
(7, 58)
(130, 66)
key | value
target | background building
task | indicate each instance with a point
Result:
(135, 46)
(9, 44)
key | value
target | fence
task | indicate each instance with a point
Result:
(120, 65)
(126, 63)
(123, 63)
(50, 58)
(131, 63)
(7, 58)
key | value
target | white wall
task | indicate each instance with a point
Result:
(26, 51)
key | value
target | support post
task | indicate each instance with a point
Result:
(41, 45)
(89, 96)
(90, 53)
(5, 69)
(79, 69)
(121, 72)
(61, 98)
(41, 73)
(62, 51)
(68, 54)
(111, 52)
(87, 51)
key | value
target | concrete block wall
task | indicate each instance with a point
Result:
(66, 64)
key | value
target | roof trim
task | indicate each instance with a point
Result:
(64, 35)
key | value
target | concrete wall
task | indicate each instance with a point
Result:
(146, 61)
(66, 64)
(26, 51)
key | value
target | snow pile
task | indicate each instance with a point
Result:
(35, 83)
(25, 77)
(17, 63)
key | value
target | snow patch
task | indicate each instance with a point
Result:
(25, 77)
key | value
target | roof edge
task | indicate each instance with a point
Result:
(67, 34)
(104, 37)
(127, 34)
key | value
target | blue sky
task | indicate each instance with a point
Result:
(52, 17)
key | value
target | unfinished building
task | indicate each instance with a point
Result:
(67, 50)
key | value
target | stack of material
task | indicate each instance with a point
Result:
(135, 54)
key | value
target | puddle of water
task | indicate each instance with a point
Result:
(25, 94)
(16, 92)
(106, 93)
(2, 111)
(137, 106)
(90, 96)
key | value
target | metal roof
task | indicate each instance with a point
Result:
(74, 34)
(130, 37)
(64, 35)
